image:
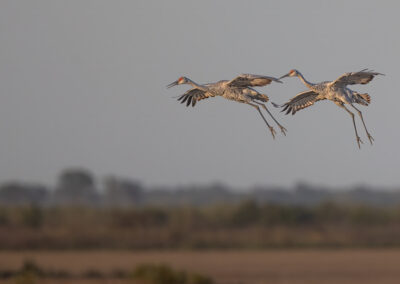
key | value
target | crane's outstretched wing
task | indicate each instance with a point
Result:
(192, 96)
(361, 77)
(302, 100)
(250, 80)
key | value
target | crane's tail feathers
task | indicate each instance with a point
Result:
(263, 98)
(364, 99)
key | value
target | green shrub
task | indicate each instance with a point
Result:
(247, 213)
(32, 217)
(29, 273)
(3, 217)
(26, 278)
(163, 274)
(30, 266)
(199, 279)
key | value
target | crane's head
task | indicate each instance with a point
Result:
(292, 73)
(180, 81)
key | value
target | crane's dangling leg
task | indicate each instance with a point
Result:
(340, 104)
(269, 126)
(371, 139)
(283, 129)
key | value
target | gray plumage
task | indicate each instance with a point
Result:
(336, 91)
(238, 89)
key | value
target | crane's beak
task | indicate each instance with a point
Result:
(284, 76)
(172, 84)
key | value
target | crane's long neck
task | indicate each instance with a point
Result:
(197, 86)
(301, 77)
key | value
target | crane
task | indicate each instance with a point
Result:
(336, 91)
(238, 89)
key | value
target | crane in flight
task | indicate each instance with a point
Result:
(238, 89)
(336, 91)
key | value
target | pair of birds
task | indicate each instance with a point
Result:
(240, 89)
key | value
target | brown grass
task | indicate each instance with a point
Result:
(233, 226)
(233, 267)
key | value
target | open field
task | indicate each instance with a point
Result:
(233, 266)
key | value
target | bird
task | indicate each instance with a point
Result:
(336, 91)
(238, 89)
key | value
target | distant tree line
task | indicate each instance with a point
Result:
(80, 187)
(74, 187)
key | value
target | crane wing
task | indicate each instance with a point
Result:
(302, 100)
(192, 96)
(361, 77)
(250, 80)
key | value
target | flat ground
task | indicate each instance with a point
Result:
(348, 266)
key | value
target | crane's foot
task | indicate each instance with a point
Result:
(283, 130)
(359, 142)
(273, 132)
(371, 139)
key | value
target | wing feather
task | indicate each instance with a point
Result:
(192, 96)
(250, 80)
(361, 77)
(302, 100)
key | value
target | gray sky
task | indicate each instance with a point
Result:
(83, 84)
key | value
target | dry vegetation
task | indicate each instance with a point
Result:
(228, 267)
(30, 272)
(105, 245)
(245, 225)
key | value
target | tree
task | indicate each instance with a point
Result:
(122, 192)
(76, 186)
(15, 193)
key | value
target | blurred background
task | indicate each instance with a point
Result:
(106, 178)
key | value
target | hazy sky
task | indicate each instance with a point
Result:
(83, 84)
